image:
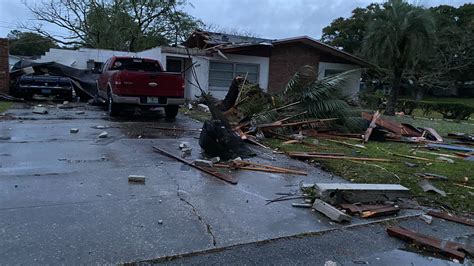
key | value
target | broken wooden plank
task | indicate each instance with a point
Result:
(306, 155)
(380, 212)
(330, 211)
(397, 128)
(372, 125)
(222, 176)
(432, 176)
(451, 217)
(360, 208)
(433, 133)
(360, 146)
(336, 193)
(278, 125)
(448, 248)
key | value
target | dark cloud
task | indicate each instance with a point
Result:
(265, 18)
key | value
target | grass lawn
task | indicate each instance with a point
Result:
(458, 198)
(4, 106)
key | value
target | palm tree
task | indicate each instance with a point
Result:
(396, 39)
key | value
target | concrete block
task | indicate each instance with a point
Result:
(215, 159)
(336, 193)
(330, 211)
(74, 130)
(203, 108)
(136, 178)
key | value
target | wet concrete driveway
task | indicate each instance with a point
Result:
(65, 198)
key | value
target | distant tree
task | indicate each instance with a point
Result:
(28, 43)
(397, 38)
(348, 33)
(130, 25)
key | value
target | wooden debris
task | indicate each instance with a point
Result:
(360, 146)
(397, 128)
(222, 176)
(302, 205)
(451, 249)
(336, 193)
(330, 211)
(279, 124)
(358, 208)
(432, 176)
(451, 217)
(260, 167)
(380, 212)
(308, 155)
(372, 125)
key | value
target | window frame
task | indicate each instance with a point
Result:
(234, 73)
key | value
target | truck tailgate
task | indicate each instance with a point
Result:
(140, 83)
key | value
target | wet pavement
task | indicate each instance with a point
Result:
(65, 198)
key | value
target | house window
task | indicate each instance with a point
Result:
(174, 64)
(221, 74)
(332, 72)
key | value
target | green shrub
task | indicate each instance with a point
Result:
(456, 111)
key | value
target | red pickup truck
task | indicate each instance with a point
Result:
(139, 82)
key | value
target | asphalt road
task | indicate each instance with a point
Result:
(65, 198)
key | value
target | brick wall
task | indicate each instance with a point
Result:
(4, 68)
(285, 60)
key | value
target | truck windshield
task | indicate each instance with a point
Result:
(136, 64)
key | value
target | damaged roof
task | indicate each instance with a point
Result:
(212, 41)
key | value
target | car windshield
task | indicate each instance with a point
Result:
(136, 64)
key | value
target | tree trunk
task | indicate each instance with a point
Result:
(393, 96)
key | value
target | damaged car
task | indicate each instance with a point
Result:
(45, 85)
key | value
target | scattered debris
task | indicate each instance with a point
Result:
(432, 176)
(427, 187)
(330, 211)
(39, 110)
(309, 155)
(370, 210)
(450, 147)
(372, 125)
(452, 217)
(203, 108)
(160, 221)
(221, 176)
(215, 159)
(100, 127)
(426, 218)
(186, 152)
(411, 165)
(103, 135)
(380, 212)
(336, 193)
(136, 178)
(80, 112)
(449, 248)
(74, 130)
(203, 163)
(444, 159)
(302, 205)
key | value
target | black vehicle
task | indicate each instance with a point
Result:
(46, 85)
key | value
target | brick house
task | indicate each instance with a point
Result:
(271, 63)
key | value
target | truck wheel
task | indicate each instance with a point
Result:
(114, 109)
(171, 111)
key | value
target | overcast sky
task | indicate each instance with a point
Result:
(264, 18)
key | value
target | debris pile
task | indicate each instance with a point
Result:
(364, 200)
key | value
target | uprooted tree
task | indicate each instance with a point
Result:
(130, 25)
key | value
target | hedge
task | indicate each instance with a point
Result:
(457, 111)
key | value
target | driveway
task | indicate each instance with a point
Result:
(65, 198)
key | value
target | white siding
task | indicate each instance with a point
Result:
(353, 85)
